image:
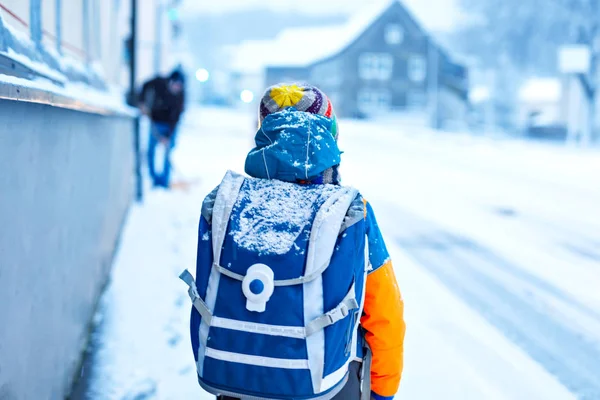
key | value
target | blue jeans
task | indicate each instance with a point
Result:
(157, 131)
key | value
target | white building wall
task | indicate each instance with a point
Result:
(49, 23)
(72, 25)
(107, 24)
(21, 9)
(575, 108)
(114, 29)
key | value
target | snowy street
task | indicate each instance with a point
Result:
(495, 243)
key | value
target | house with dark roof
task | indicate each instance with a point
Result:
(380, 62)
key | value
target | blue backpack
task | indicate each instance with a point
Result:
(279, 289)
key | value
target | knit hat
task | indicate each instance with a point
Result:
(177, 76)
(302, 97)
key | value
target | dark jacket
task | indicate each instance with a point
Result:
(164, 106)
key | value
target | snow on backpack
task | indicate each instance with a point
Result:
(279, 289)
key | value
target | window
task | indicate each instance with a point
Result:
(374, 101)
(417, 68)
(394, 34)
(375, 66)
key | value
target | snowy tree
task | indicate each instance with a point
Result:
(522, 37)
(525, 32)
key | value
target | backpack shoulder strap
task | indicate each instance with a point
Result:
(325, 230)
(208, 204)
(225, 199)
(356, 212)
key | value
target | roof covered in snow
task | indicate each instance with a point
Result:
(540, 90)
(304, 46)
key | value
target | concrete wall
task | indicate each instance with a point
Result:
(66, 182)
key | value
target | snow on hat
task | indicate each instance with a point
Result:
(302, 97)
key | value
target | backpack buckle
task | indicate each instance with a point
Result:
(187, 277)
(338, 314)
(344, 310)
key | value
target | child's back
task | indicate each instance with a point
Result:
(293, 282)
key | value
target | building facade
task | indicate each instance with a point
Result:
(390, 65)
(66, 150)
(90, 35)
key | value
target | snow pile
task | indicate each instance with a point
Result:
(20, 48)
(68, 63)
(273, 214)
(35, 66)
(21, 36)
(40, 61)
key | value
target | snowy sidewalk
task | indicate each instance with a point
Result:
(140, 348)
(141, 345)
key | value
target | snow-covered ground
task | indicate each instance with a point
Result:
(496, 246)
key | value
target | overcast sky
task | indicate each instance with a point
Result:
(434, 14)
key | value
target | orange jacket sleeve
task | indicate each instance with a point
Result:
(383, 319)
(383, 316)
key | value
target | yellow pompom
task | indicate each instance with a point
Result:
(287, 96)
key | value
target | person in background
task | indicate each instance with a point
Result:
(162, 100)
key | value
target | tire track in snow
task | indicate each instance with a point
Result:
(581, 239)
(520, 305)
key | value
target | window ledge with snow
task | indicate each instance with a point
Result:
(34, 74)
(21, 82)
(73, 96)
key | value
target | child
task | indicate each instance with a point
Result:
(258, 330)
